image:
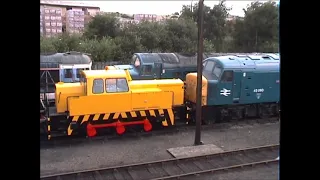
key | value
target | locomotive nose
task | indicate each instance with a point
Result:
(191, 88)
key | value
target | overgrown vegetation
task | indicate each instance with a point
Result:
(106, 40)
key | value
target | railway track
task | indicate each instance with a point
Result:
(180, 167)
(68, 141)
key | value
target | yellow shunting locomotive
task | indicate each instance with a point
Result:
(111, 99)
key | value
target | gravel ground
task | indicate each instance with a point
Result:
(106, 153)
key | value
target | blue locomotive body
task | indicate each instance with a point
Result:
(174, 65)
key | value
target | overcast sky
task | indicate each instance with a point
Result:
(161, 7)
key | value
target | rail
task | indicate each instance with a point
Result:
(180, 167)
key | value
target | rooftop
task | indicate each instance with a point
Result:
(68, 3)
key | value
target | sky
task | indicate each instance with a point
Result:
(161, 7)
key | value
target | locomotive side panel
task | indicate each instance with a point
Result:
(260, 87)
(65, 91)
(120, 102)
(274, 88)
(105, 103)
(176, 86)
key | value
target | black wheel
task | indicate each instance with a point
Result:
(156, 122)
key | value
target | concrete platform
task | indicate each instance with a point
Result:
(188, 151)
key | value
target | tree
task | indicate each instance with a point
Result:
(182, 34)
(149, 32)
(105, 40)
(187, 13)
(214, 21)
(128, 43)
(102, 25)
(259, 29)
(46, 45)
(216, 29)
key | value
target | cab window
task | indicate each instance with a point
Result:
(97, 86)
(67, 73)
(209, 66)
(177, 74)
(116, 85)
(83, 80)
(133, 59)
(227, 76)
(146, 70)
(82, 77)
(204, 63)
(136, 61)
(217, 71)
(79, 71)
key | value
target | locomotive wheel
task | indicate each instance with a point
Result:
(240, 115)
(155, 122)
(43, 132)
(262, 114)
(194, 119)
(43, 128)
(217, 116)
(275, 110)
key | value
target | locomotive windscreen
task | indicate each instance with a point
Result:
(169, 58)
(187, 60)
(150, 58)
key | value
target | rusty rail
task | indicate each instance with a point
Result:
(180, 167)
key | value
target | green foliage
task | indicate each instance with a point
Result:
(106, 40)
(46, 45)
(182, 35)
(259, 29)
(103, 25)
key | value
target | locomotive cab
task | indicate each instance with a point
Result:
(145, 66)
(142, 69)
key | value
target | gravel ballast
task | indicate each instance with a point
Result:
(106, 153)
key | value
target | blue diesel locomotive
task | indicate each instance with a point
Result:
(175, 65)
(236, 87)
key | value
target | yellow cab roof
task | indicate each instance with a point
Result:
(104, 73)
(154, 81)
(66, 85)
